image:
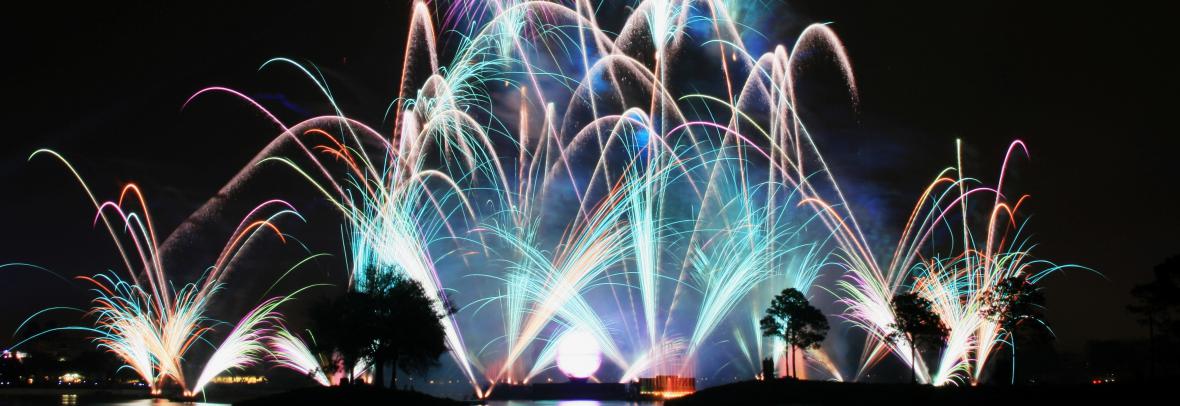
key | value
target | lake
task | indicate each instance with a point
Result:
(84, 399)
(569, 403)
(68, 399)
(131, 397)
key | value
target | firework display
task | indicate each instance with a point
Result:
(150, 324)
(642, 191)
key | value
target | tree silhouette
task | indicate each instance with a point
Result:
(408, 334)
(796, 321)
(1157, 302)
(344, 327)
(916, 322)
(1011, 303)
(391, 322)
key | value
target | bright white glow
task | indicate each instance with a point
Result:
(577, 354)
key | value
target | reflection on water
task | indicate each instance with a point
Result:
(73, 399)
(155, 402)
(571, 403)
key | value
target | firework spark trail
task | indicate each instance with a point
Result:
(290, 351)
(957, 278)
(246, 343)
(742, 256)
(721, 201)
(595, 247)
(152, 327)
(443, 101)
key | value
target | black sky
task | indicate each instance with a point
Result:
(1090, 89)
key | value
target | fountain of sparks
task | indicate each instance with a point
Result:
(649, 187)
(148, 323)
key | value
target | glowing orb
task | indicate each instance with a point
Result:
(577, 354)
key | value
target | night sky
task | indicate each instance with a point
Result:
(1089, 89)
